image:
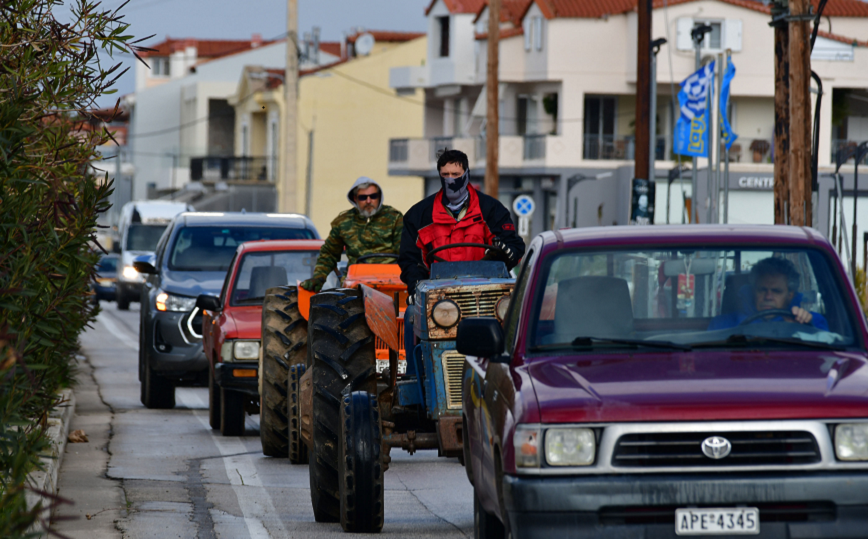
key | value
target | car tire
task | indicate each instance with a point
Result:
(158, 393)
(284, 344)
(360, 470)
(485, 525)
(341, 348)
(213, 402)
(231, 412)
(297, 448)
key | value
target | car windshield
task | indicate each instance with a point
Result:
(260, 271)
(690, 298)
(211, 248)
(107, 264)
(144, 237)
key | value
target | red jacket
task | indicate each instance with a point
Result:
(445, 230)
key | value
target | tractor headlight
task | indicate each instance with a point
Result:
(570, 447)
(246, 350)
(501, 307)
(851, 441)
(171, 302)
(446, 313)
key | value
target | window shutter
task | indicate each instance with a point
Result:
(527, 34)
(732, 36)
(683, 41)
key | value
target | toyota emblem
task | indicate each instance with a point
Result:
(716, 447)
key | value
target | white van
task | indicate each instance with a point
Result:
(140, 227)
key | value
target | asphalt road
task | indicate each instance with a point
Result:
(165, 473)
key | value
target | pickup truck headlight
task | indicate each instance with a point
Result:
(525, 441)
(851, 441)
(246, 350)
(171, 302)
(446, 313)
(570, 447)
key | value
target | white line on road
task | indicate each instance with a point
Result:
(122, 334)
(242, 474)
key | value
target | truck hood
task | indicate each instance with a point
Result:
(246, 323)
(192, 283)
(712, 385)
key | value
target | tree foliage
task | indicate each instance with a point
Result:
(51, 74)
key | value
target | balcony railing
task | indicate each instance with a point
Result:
(398, 150)
(613, 148)
(212, 168)
(534, 147)
(847, 147)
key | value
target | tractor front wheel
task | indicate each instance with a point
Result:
(342, 358)
(359, 468)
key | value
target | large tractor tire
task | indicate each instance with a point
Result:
(342, 358)
(284, 344)
(297, 447)
(359, 467)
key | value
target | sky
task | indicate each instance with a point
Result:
(234, 19)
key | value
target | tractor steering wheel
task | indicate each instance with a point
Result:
(362, 258)
(769, 312)
(430, 255)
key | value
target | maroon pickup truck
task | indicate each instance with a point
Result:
(671, 381)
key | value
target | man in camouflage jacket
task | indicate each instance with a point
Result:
(370, 227)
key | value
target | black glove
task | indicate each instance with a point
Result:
(503, 253)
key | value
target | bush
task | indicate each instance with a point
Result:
(862, 289)
(50, 77)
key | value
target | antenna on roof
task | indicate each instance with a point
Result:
(365, 44)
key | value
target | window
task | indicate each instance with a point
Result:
(528, 34)
(444, 36)
(275, 140)
(144, 237)
(244, 139)
(537, 33)
(160, 67)
(207, 248)
(251, 282)
(713, 39)
(599, 127)
(456, 118)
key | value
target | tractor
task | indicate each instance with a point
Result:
(350, 392)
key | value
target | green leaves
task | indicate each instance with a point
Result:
(50, 78)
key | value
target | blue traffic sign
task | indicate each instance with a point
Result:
(523, 206)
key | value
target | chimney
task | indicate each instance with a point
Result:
(316, 31)
(344, 47)
(255, 40)
(307, 48)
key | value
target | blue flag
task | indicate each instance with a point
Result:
(727, 135)
(691, 130)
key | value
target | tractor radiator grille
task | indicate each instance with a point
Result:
(453, 370)
(467, 301)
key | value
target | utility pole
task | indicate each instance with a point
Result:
(492, 123)
(698, 35)
(643, 91)
(287, 188)
(782, 113)
(799, 158)
(655, 48)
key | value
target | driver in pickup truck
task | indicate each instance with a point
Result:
(457, 213)
(369, 227)
(774, 284)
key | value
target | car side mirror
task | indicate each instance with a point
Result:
(144, 267)
(481, 337)
(208, 302)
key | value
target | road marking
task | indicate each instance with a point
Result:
(241, 472)
(122, 334)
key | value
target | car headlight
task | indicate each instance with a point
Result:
(501, 307)
(171, 302)
(130, 273)
(851, 441)
(525, 441)
(246, 350)
(446, 313)
(570, 447)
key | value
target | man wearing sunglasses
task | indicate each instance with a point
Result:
(369, 227)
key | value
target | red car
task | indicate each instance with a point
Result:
(671, 381)
(232, 324)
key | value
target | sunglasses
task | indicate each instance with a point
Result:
(362, 198)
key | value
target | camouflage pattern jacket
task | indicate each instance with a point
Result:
(361, 236)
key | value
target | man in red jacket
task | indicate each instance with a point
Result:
(457, 213)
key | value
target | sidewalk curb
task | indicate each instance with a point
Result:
(45, 480)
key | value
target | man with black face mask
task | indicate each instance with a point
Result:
(457, 213)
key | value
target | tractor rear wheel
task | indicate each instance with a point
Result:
(360, 468)
(284, 344)
(343, 360)
(297, 447)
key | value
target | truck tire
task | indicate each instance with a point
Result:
(359, 467)
(342, 356)
(213, 402)
(297, 447)
(231, 412)
(157, 392)
(284, 344)
(123, 301)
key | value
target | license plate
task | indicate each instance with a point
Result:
(717, 521)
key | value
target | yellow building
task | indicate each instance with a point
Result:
(349, 112)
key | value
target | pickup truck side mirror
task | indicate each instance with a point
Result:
(481, 337)
(207, 302)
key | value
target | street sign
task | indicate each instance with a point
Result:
(524, 206)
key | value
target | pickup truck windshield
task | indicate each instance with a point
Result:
(211, 248)
(729, 298)
(144, 237)
(260, 271)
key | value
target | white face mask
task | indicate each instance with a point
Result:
(455, 190)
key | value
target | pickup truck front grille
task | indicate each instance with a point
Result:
(680, 449)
